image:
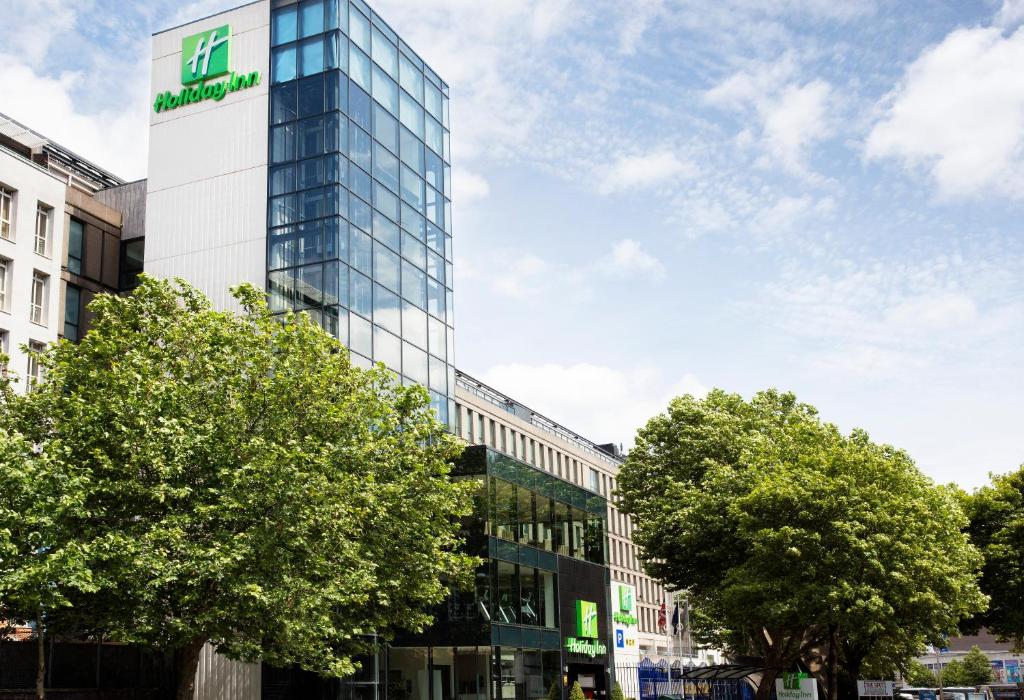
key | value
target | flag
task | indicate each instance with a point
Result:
(661, 617)
(675, 620)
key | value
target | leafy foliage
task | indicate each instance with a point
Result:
(918, 675)
(576, 693)
(997, 528)
(793, 540)
(617, 692)
(236, 481)
(973, 670)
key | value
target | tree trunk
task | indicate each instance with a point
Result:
(833, 662)
(767, 684)
(848, 688)
(40, 658)
(187, 663)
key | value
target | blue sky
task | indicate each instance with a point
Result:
(661, 196)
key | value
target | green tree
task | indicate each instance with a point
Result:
(997, 528)
(793, 540)
(953, 674)
(576, 693)
(917, 675)
(555, 691)
(976, 668)
(245, 485)
(617, 692)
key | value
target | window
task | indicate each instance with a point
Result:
(6, 212)
(5, 349)
(480, 435)
(132, 253)
(76, 246)
(34, 371)
(5, 283)
(43, 216)
(37, 310)
(72, 311)
(595, 482)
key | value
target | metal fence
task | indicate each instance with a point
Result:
(652, 681)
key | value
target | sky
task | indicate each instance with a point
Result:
(658, 197)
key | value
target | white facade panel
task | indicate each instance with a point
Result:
(32, 186)
(220, 678)
(207, 185)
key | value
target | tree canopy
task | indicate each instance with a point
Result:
(997, 528)
(234, 481)
(793, 540)
(973, 670)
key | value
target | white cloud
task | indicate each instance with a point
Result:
(959, 114)
(652, 169)
(601, 403)
(31, 26)
(468, 187)
(628, 258)
(1010, 14)
(881, 317)
(114, 137)
(793, 115)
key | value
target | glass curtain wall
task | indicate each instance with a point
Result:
(359, 211)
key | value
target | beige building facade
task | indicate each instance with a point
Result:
(485, 416)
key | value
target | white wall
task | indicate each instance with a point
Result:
(207, 185)
(32, 185)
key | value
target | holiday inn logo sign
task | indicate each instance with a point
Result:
(586, 629)
(204, 57)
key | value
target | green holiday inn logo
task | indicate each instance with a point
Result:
(625, 599)
(586, 619)
(205, 56)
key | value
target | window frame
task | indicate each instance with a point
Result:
(5, 284)
(7, 221)
(38, 311)
(80, 257)
(44, 216)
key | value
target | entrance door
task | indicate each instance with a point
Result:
(591, 678)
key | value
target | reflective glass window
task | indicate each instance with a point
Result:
(385, 90)
(343, 15)
(282, 64)
(308, 243)
(332, 57)
(414, 363)
(282, 290)
(311, 137)
(434, 203)
(414, 251)
(282, 247)
(282, 179)
(336, 92)
(386, 267)
(283, 210)
(385, 53)
(360, 335)
(285, 25)
(435, 298)
(309, 286)
(413, 222)
(385, 128)
(437, 343)
(411, 78)
(414, 285)
(435, 266)
(432, 100)
(412, 151)
(434, 138)
(361, 251)
(283, 103)
(359, 147)
(331, 20)
(411, 114)
(435, 238)
(339, 126)
(386, 231)
(387, 310)
(359, 28)
(387, 349)
(361, 294)
(412, 189)
(311, 15)
(336, 239)
(359, 213)
(360, 183)
(438, 376)
(385, 167)
(434, 169)
(342, 284)
(359, 106)
(313, 203)
(386, 202)
(312, 56)
(359, 67)
(414, 324)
